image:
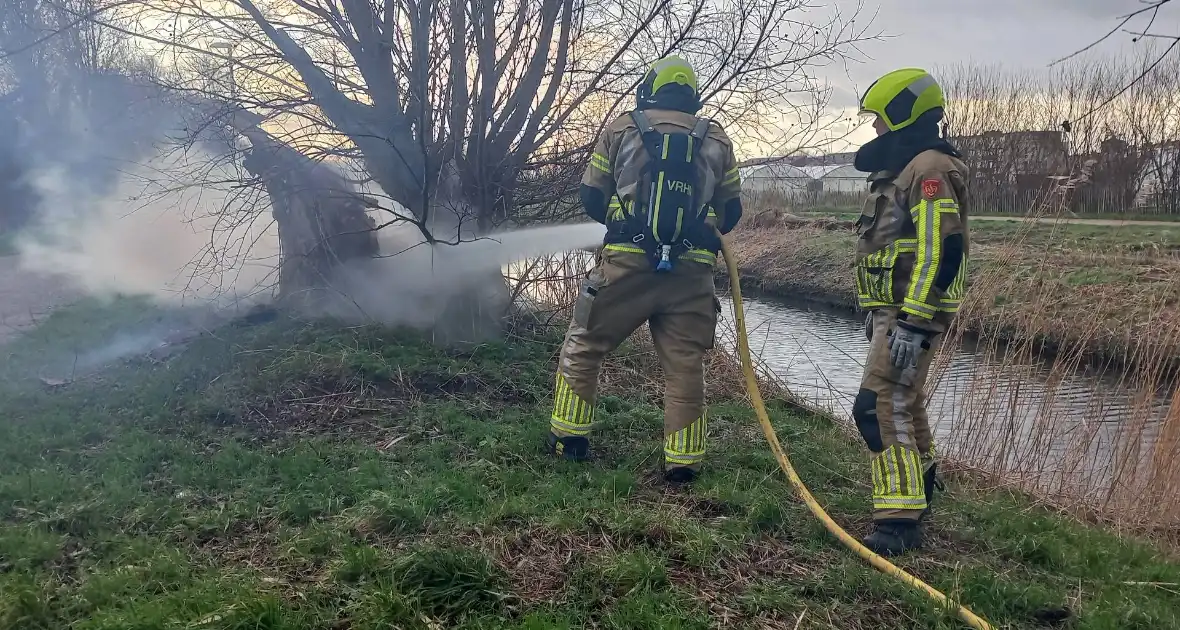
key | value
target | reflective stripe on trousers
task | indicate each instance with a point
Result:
(686, 447)
(897, 479)
(571, 415)
(890, 413)
(618, 296)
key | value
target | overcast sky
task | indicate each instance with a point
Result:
(1017, 33)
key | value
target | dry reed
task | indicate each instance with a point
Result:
(1114, 455)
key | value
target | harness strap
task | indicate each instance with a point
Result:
(653, 142)
(700, 131)
(642, 122)
(652, 139)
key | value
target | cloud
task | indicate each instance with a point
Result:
(1017, 34)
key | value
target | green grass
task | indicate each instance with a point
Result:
(853, 210)
(306, 476)
(1150, 239)
(841, 213)
(1119, 216)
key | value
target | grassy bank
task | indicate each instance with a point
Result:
(288, 475)
(852, 210)
(1109, 290)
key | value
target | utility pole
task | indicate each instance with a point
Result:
(227, 48)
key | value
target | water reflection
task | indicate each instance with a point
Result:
(1000, 409)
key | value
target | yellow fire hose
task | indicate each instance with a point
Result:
(877, 561)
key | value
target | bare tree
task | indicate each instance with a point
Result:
(46, 55)
(1139, 25)
(1155, 127)
(48, 52)
(1024, 128)
(466, 111)
(457, 117)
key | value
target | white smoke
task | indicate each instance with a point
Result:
(168, 230)
(127, 210)
(414, 287)
(179, 231)
(159, 232)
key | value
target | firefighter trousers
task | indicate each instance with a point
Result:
(890, 413)
(680, 307)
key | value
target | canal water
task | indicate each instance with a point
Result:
(1069, 427)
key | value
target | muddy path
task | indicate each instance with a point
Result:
(27, 297)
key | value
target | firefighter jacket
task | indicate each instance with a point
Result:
(913, 241)
(620, 159)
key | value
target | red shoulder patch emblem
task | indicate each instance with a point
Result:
(930, 188)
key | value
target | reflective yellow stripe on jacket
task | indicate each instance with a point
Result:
(616, 212)
(696, 255)
(732, 176)
(875, 273)
(600, 162)
(927, 216)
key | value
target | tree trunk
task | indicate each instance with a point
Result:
(477, 310)
(322, 224)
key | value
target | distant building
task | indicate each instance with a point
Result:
(804, 160)
(837, 179)
(1009, 170)
(828, 159)
(1160, 188)
(802, 180)
(775, 178)
(1007, 155)
(759, 161)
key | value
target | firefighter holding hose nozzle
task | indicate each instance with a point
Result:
(662, 180)
(911, 267)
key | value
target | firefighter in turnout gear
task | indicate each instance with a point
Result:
(662, 180)
(911, 266)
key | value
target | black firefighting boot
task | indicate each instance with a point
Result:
(893, 538)
(931, 482)
(680, 475)
(572, 448)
